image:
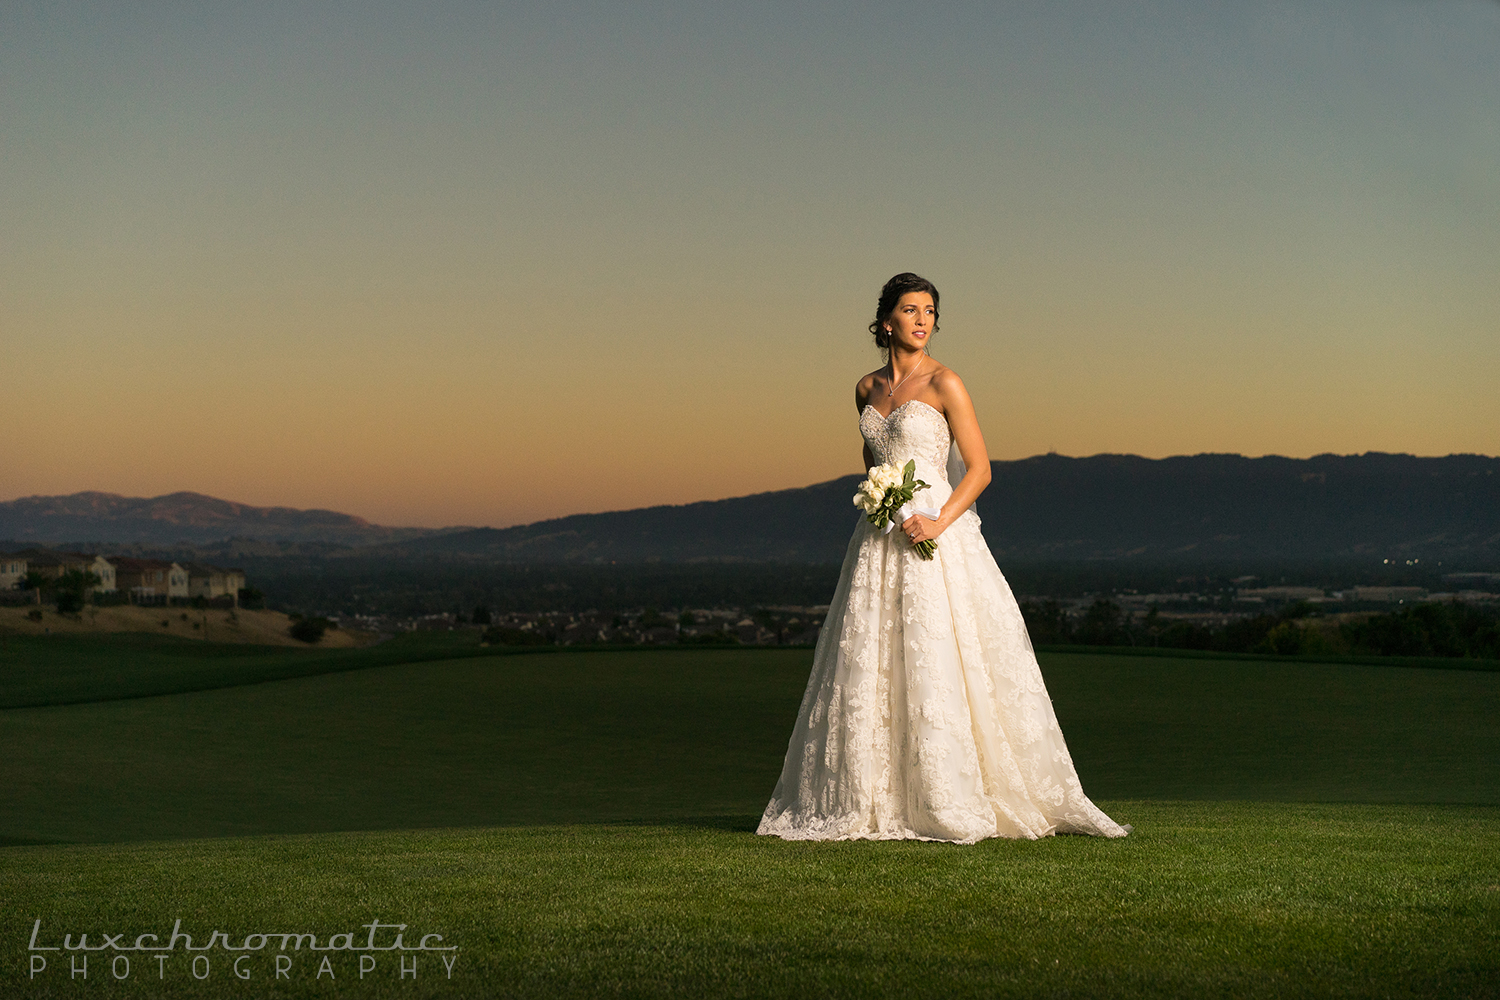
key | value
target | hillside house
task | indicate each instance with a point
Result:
(54, 564)
(12, 571)
(213, 582)
(151, 581)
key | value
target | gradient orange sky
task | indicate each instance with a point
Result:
(458, 264)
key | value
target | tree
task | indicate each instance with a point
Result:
(1152, 623)
(1046, 621)
(72, 590)
(1102, 624)
(36, 581)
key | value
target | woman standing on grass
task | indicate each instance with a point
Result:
(925, 716)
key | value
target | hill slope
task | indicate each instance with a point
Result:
(178, 518)
(1055, 507)
(1049, 507)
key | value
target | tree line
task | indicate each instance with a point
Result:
(1454, 629)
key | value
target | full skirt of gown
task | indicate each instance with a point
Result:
(925, 716)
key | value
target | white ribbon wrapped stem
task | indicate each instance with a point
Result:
(931, 513)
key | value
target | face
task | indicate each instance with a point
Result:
(911, 322)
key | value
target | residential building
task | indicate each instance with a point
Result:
(151, 581)
(55, 564)
(1281, 593)
(213, 582)
(13, 568)
(1390, 594)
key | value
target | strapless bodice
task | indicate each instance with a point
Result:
(913, 430)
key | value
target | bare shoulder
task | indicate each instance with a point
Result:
(864, 387)
(951, 390)
(945, 381)
(942, 375)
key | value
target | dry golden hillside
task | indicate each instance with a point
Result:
(266, 628)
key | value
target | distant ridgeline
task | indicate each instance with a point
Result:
(1052, 508)
(179, 519)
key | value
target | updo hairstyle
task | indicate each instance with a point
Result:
(891, 294)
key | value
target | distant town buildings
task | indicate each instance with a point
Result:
(1389, 595)
(52, 565)
(139, 581)
(211, 582)
(1314, 594)
(12, 571)
(781, 625)
(147, 579)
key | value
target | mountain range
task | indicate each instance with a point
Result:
(1054, 508)
(180, 519)
(1209, 507)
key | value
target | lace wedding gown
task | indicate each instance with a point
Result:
(925, 716)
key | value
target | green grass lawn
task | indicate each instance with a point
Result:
(1203, 900)
(579, 824)
(71, 669)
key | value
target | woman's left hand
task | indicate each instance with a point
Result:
(919, 528)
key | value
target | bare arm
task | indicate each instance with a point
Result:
(959, 410)
(861, 397)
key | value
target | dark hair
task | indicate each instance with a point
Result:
(891, 294)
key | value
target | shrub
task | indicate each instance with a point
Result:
(499, 635)
(1286, 639)
(35, 614)
(1102, 624)
(309, 630)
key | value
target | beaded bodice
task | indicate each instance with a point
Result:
(913, 430)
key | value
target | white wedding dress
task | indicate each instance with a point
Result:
(925, 716)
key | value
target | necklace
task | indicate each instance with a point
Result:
(909, 374)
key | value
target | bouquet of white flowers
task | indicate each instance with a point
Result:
(885, 497)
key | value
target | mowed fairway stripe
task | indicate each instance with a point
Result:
(1214, 729)
(554, 738)
(1209, 899)
(611, 737)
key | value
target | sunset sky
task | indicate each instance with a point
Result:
(473, 263)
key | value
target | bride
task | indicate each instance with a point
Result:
(925, 716)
